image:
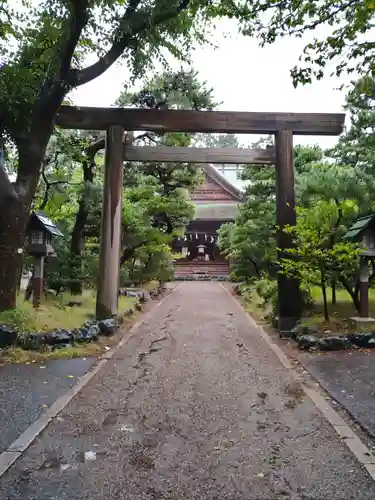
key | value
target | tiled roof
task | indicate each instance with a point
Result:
(216, 211)
(48, 224)
(358, 226)
(215, 175)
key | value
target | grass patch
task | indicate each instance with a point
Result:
(151, 285)
(17, 355)
(339, 313)
(54, 312)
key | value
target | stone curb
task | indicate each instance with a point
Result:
(352, 441)
(20, 445)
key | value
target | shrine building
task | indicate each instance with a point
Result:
(216, 202)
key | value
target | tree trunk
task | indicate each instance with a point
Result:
(354, 294)
(333, 285)
(15, 203)
(127, 254)
(13, 220)
(77, 245)
(324, 292)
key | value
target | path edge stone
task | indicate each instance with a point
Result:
(342, 429)
(16, 449)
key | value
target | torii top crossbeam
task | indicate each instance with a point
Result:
(90, 118)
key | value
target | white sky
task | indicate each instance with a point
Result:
(244, 76)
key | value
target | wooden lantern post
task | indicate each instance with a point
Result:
(38, 281)
(363, 287)
(39, 232)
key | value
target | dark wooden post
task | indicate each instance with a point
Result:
(110, 237)
(363, 287)
(289, 297)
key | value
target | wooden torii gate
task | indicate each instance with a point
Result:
(118, 120)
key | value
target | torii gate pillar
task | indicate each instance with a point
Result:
(289, 296)
(110, 236)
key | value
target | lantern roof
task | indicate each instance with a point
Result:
(47, 223)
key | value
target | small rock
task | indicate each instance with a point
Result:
(108, 326)
(274, 320)
(58, 336)
(146, 296)
(93, 332)
(287, 334)
(363, 339)
(90, 456)
(308, 330)
(32, 341)
(305, 342)
(295, 332)
(130, 293)
(8, 336)
(336, 343)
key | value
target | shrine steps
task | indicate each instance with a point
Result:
(202, 271)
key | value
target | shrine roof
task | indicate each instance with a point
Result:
(216, 211)
(212, 172)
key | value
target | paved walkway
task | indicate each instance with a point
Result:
(25, 391)
(348, 376)
(194, 406)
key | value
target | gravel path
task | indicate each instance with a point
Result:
(194, 406)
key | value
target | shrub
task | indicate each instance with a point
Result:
(267, 291)
(20, 318)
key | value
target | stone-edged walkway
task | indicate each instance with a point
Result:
(195, 406)
(26, 390)
(349, 377)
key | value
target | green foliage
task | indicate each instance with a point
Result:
(156, 207)
(317, 257)
(250, 242)
(267, 290)
(20, 318)
(44, 46)
(356, 147)
(332, 189)
(312, 236)
(347, 47)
